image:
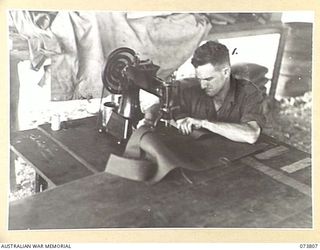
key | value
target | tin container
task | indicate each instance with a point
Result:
(108, 107)
(55, 122)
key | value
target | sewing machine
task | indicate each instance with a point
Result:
(126, 74)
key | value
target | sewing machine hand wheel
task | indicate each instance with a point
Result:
(117, 80)
(113, 78)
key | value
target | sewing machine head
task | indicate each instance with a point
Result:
(126, 74)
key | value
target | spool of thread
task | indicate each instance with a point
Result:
(55, 122)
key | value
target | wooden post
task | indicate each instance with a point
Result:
(277, 63)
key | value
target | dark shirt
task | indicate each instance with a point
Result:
(242, 103)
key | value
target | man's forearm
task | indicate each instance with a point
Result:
(243, 132)
(151, 114)
(153, 111)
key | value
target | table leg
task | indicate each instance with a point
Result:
(40, 184)
(13, 181)
(14, 121)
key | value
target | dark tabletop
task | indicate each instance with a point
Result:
(249, 190)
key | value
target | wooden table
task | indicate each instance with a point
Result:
(268, 188)
(75, 151)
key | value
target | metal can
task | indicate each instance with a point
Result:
(108, 107)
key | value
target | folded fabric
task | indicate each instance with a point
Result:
(153, 153)
(42, 43)
(146, 158)
(133, 169)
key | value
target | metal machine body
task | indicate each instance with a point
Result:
(126, 74)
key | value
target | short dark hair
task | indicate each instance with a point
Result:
(211, 52)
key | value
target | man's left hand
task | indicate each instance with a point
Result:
(186, 125)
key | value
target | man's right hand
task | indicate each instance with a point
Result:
(187, 124)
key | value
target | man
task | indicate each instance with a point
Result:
(217, 101)
(214, 100)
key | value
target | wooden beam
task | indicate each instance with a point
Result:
(277, 175)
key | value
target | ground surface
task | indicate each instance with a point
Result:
(291, 124)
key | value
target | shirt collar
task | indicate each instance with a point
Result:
(231, 93)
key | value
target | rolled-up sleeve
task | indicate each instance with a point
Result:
(252, 109)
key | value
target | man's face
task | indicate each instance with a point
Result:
(212, 79)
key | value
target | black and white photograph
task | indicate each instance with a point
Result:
(160, 119)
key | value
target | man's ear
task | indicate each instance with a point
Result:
(227, 71)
